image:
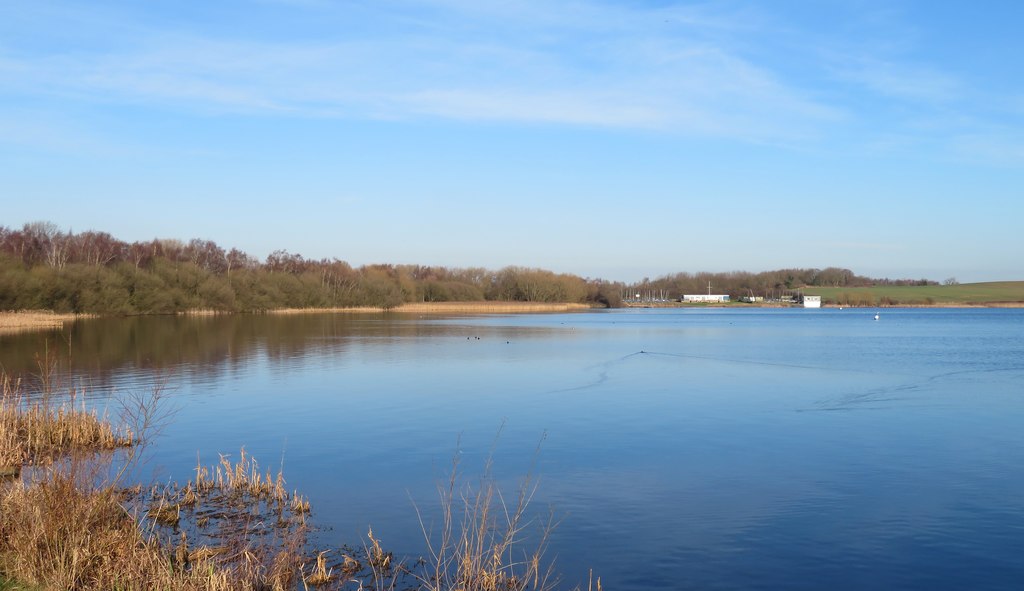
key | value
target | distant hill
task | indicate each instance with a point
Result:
(989, 293)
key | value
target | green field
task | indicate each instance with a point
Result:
(997, 292)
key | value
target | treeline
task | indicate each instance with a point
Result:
(42, 267)
(765, 284)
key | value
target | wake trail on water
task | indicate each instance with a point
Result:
(850, 401)
(859, 400)
(606, 367)
(602, 376)
(752, 362)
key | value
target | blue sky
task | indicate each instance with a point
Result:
(607, 139)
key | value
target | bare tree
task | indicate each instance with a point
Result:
(47, 243)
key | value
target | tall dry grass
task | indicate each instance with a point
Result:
(36, 432)
(66, 528)
(58, 533)
(484, 540)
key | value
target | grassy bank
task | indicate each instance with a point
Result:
(1001, 293)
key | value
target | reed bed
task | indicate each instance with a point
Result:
(59, 534)
(489, 307)
(349, 310)
(38, 432)
(483, 307)
(231, 515)
(26, 320)
(204, 312)
(67, 524)
(63, 528)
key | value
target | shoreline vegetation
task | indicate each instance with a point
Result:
(1007, 294)
(34, 320)
(70, 520)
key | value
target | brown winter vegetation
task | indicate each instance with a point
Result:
(452, 308)
(11, 322)
(37, 432)
(59, 531)
(489, 307)
(66, 523)
(43, 267)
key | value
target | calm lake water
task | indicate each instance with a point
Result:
(684, 449)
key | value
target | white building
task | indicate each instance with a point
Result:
(705, 298)
(811, 301)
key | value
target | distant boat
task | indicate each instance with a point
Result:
(876, 316)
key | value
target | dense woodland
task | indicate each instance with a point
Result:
(42, 267)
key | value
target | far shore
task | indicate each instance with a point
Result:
(27, 320)
(741, 305)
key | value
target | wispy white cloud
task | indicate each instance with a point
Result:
(705, 69)
(573, 64)
(552, 107)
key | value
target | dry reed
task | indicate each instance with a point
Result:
(300, 504)
(320, 574)
(58, 532)
(482, 542)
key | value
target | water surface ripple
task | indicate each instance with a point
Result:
(685, 449)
